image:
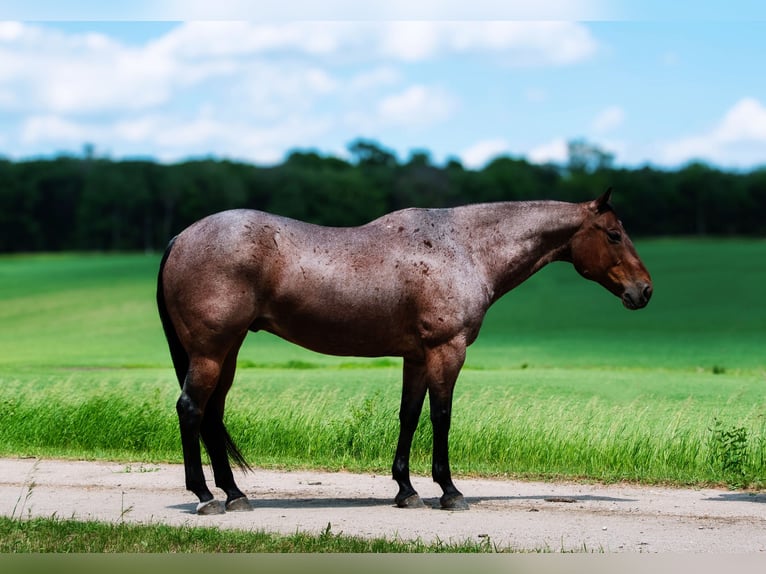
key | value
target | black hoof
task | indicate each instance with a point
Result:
(453, 502)
(411, 501)
(241, 504)
(211, 507)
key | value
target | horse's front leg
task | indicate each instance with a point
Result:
(443, 365)
(413, 395)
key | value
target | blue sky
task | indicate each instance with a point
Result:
(658, 87)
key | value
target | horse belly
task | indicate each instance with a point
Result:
(344, 330)
(383, 322)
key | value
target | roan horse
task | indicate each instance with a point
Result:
(414, 283)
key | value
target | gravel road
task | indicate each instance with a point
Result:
(516, 514)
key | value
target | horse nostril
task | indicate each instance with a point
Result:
(647, 292)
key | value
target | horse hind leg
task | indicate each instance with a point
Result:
(199, 382)
(200, 416)
(217, 441)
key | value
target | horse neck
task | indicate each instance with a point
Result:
(514, 240)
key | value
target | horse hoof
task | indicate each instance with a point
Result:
(211, 507)
(412, 501)
(241, 504)
(453, 502)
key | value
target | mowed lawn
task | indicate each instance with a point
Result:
(562, 382)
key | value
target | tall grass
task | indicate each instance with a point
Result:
(347, 419)
(563, 382)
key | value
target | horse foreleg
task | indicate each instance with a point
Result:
(444, 364)
(413, 395)
(441, 414)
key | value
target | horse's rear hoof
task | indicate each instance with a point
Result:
(211, 507)
(412, 501)
(455, 502)
(241, 504)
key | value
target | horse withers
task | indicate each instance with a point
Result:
(415, 284)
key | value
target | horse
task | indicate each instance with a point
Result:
(414, 283)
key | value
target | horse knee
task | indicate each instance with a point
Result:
(440, 472)
(400, 470)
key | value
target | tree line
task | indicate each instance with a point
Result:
(90, 203)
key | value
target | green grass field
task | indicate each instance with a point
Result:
(563, 381)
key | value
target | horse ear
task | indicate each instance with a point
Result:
(602, 203)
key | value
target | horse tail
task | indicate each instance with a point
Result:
(177, 352)
(214, 432)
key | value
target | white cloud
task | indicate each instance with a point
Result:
(90, 73)
(416, 106)
(270, 91)
(515, 42)
(608, 120)
(10, 31)
(480, 153)
(530, 43)
(381, 10)
(211, 84)
(53, 129)
(51, 71)
(554, 151)
(739, 138)
(745, 121)
(410, 41)
(194, 40)
(175, 137)
(376, 78)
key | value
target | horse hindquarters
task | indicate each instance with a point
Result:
(204, 383)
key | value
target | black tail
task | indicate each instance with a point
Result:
(177, 352)
(213, 431)
(213, 428)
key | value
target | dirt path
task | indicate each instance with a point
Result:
(522, 515)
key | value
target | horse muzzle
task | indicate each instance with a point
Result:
(637, 295)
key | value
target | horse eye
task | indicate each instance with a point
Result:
(614, 235)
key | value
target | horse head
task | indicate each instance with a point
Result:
(602, 251)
